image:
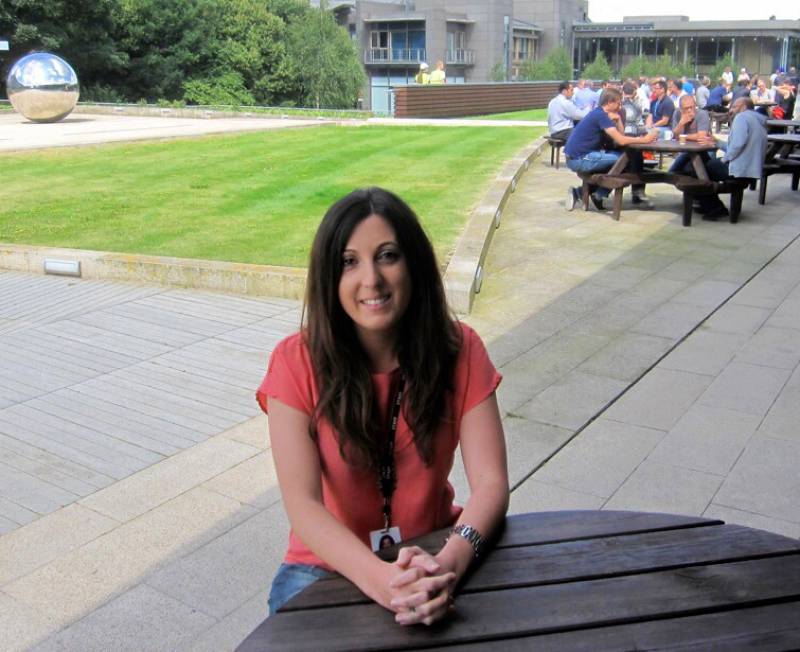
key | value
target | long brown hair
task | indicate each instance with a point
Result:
(428, 339)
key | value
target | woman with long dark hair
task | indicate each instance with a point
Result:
(367, 404)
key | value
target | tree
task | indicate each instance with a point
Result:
(662, 66)
(598, 69)
(324, 61)
(79, 32)
(555, 66)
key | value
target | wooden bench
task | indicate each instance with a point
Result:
(692, 188)
(790, 165)
(555, 149)
(615, 183)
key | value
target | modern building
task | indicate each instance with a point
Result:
(478, 40)
(761, 46)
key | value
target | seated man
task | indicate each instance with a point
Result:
(634, 115)
(584, 95)
(718, 98)
(744, 151)
(695, 124)
(661, 109)
(703, 93)
(742, 88)
(585, 150)
(562, 114)
(747, 142)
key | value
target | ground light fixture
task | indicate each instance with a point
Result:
(62, 267)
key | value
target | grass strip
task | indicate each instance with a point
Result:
(251, 198)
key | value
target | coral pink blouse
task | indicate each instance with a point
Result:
(423, 498)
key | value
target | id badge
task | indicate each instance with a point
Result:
(380, 539)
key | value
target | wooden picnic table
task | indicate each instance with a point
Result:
(690, 186)
(579, 580)
(786, 125)
(781, 158)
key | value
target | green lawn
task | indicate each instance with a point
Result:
(246, 198)
(531, 114)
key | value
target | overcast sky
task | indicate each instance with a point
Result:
(614, 10)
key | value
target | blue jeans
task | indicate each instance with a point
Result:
(601, 161)
(290, 580)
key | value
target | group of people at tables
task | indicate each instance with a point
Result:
(598, 125)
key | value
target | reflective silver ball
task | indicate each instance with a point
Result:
(42, 87)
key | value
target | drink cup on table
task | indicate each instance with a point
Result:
(682, 139)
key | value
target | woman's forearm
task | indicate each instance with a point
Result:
(338, 547)
(485, 511)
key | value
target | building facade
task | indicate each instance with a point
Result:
(478, 40)
(761, 46)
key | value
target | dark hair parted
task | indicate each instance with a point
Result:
(428, 339)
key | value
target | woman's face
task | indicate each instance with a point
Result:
(375, 287)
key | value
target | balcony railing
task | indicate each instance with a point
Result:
(394, 55)
(461, 57)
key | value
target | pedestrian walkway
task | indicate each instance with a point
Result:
(17, 133)
(101, 380)
(646, 366)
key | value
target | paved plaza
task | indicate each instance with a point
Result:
(646, 366)
(19, 134)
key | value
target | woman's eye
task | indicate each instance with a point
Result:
(348, 261)
(389, 256)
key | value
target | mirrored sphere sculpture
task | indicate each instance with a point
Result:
(42, 87)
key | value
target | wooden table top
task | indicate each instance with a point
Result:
(673, 146)
(783, 123)
(784, 138)
(579, 580)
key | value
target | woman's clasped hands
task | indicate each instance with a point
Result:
(422, 590)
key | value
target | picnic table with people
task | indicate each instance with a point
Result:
(606, 145)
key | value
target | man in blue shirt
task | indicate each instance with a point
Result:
(562, 114)
(585, 149)
(716, 99)
(661, 109)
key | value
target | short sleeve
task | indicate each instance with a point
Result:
(289, 376)
(481, 378)
(703, 121)
(605, 121)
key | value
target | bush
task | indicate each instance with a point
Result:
(498, 72)
(225, 90)
(598, 69)
(657, 67)
(557, 65)
(101, 93)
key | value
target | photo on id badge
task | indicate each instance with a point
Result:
(380, 539)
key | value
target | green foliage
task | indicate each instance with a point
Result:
(557, 65)
(598, 69)
(719, 68)
(223, 90)
(217, 51)
(323, 60)
(656, 67)
(498, 72)
(80, 32)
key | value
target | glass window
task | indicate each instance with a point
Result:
(416, 39)
(706, 52)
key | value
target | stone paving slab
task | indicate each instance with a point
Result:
(101, 380)
(199, 533)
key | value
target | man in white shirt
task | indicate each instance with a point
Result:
(728, 75)
(562, 114)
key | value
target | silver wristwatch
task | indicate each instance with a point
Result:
(471, 535)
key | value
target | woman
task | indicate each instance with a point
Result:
(382, 383)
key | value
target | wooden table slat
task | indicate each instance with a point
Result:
(587, 559)
(766, 629)
(544, 609)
